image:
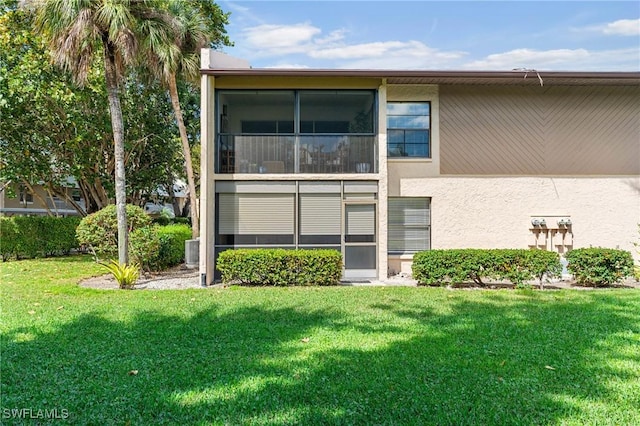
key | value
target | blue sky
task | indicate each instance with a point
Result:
(437, 35)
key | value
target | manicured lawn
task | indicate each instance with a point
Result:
(315, 355)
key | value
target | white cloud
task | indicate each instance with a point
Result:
(333, 37)
(621, 27)
(625, 27)
(365, 50)
(284, 65)
(391, 55)
(527, 58)
(268, 39)
(561, 59)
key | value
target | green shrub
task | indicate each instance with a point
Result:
(599, 266)
(144, 247)
(37, 236)
(520, 266)
(171, 251)
(99, 230)
(636, 266)
(279, 267)
(8, 238)
(459, 266)
(182, 220)
(543, 263)
(164, 220)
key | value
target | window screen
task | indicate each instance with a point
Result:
(409, 224)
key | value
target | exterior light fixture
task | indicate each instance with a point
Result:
(535, 222)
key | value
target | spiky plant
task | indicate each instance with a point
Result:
(125, 275)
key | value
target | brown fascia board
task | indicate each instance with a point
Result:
(444, 77)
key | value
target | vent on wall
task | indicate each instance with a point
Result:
(551, 233)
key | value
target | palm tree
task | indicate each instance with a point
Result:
(194, 25)
(76, 31)
(178, 52)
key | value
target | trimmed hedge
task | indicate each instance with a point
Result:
(280, 267)
(172, 238)
(37, 236)
(599, 266)
(459, 266)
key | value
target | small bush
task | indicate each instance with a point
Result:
(279, 267)
(144, 247)
(459, 266)
(172, 239)
(37, 236)
(599, 266)
(99, 230)
(182, 220)
(164, 220)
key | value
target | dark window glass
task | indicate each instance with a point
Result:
(255, 112)
(337, 111)
(319, 239)
(360, 238)
(360, 257)
(252, 239)
(408, 129)
(259, 127)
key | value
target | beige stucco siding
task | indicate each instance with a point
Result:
(496, 212)
(539, 130)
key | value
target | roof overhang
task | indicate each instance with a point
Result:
(515, 77)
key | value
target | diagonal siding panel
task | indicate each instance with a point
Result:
(539, 130)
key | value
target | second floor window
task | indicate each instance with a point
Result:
(409, 129)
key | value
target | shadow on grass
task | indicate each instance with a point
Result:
(491, 361)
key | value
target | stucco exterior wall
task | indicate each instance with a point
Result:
(496, 212)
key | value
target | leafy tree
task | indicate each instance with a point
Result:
(78, 30)
(52, 129)
(193, 26)
(39, 111)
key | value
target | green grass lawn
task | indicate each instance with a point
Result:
(344, 355)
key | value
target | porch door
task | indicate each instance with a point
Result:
(360, 242)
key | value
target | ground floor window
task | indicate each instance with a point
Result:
(409, 227)
(255, 219)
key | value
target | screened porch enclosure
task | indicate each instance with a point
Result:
(339, 215)
(287, 131)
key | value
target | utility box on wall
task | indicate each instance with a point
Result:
(554, 233)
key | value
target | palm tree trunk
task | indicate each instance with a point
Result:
(186, 151)
(118, 143)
